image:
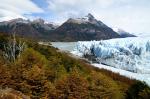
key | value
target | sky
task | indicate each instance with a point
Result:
(130, 15)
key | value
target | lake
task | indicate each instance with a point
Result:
(65, 46)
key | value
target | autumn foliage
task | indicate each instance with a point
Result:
(42, 72)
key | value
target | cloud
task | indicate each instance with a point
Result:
(64, 9)
(130, 15)
(76, 7)
(11, 9)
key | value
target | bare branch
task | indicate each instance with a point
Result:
(13, 49)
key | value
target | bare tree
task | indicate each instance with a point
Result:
(13, 49)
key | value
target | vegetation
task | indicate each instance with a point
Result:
(140, 90)
(42, 72)
(12, 94)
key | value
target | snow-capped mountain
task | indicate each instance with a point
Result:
(37, 28)
(84, 29)
(24, 21)
(130, 54)
(123, 33)
(40, 23)
(74, 29)
(85, 20)
(14, 21)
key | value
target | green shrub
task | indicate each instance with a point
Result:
(137, 90)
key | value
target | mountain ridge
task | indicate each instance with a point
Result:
(74, 29)
(122, 32)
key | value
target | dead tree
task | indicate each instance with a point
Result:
(13, 49)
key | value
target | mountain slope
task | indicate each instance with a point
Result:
(37, 29)
(123, 33)
(74, 29)
(87, 28)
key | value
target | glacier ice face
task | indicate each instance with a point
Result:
(132, 54)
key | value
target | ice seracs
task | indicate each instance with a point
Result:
(132, 54)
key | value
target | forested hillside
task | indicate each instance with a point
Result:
(32, 71)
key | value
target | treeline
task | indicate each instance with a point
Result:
(42, 72)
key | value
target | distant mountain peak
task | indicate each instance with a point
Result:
(90, 16)
(39, 20)
(122, 32)
(74, 29)
(85, 20)
(18, 20)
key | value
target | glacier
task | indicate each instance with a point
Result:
(73, 47)
(130, 54)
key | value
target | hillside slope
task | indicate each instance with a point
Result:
(41, 71)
